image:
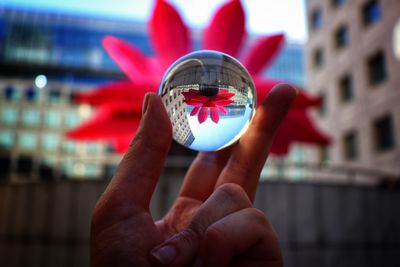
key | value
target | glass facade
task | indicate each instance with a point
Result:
(50, 39)
(289, 65)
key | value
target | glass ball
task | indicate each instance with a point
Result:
(210, 98)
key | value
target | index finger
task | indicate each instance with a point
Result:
(249, 155)
(137, 175)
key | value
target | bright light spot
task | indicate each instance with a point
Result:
(79, 169)
(396, 40)
(84, 111)
(40, 81)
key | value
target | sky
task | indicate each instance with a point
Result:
(263, 16)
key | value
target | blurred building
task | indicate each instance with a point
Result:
(351, 63)
(44, 59)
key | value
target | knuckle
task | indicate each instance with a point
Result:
(257, 216)
(195, 230)
(239, 168)
(233, 191)
(190, 236)
(215, 235)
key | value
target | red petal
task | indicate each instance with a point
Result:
(297, 127)
(108, 123)
(226, 31)
(223, 102)
(262, 53)
(214, 114)
(131, 61)
(203, 114)
(222, 109)
(195, 111)
(169, 35)
(279, 148)
(193, 102)
(115, 92)
(263, 87)
(121, 144)
(303, 99)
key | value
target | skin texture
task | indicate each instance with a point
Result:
(212, 221)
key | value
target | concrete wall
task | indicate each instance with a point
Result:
(369, 102)
(47, 224)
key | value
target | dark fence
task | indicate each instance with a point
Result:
(47, 224)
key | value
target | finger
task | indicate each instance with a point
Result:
(245, 236)
(180, 249)
(203, 173)
(134, 182)
(249, 155)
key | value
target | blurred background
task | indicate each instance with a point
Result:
(331, 206)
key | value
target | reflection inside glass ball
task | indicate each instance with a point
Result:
(210, 98)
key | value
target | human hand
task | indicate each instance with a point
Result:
(212, 222)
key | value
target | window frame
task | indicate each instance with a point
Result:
(350, 138)
(372, 62)
(379, 145)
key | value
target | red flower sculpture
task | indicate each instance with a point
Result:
(119, 103)
(204, 104)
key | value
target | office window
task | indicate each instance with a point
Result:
(337, 3)
(31, 94)
(318, 58)
(52, 119)
(316, 19)
(350, 146)
(346, 88)
(68, 146)
(54, 96)
(11, 93)
(27, 140)
(30, 118)
(24, 165)
(72, 119)
(50, 142)
(371, 12)
(7, 139)
(8, 116)
(341, 37)
(384, 133)
(324, 154)
(376, 65)
(46, 171)
(93, 149)
(5, 166)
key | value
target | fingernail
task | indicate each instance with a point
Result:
(165, 254)
(145, 103)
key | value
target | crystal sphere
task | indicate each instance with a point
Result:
(210, 98)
